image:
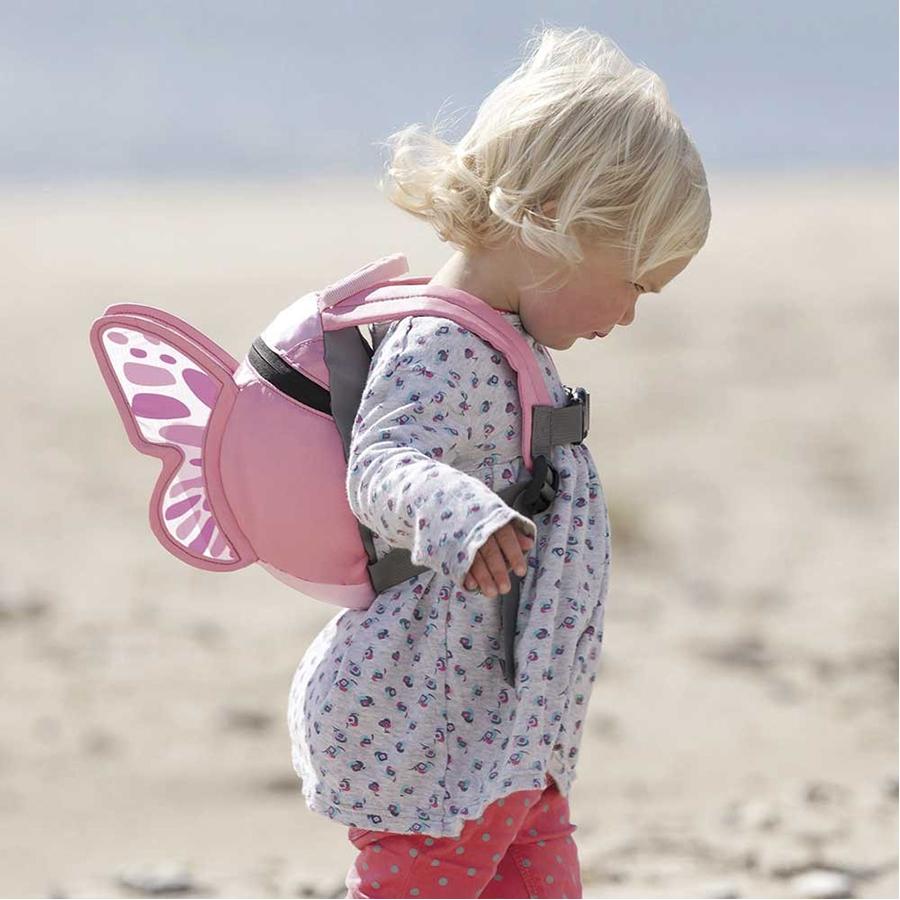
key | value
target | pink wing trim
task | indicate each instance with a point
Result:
(173, 388)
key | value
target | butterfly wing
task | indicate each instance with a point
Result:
(173, 388)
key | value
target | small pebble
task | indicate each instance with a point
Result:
(166, 878)
(246, 719)
(329, 890)
(823, 883)
(823, 792)
(784, 859)
(723, 889)
(97, 742)
(21, 604)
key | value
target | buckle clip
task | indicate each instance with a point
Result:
(580, 396)
(541, 490)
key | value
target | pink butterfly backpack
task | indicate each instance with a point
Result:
(254, 455)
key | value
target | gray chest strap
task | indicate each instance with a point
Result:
(551, 425)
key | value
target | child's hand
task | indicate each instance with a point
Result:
(501, 552)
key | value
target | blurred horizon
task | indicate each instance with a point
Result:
(99, 91)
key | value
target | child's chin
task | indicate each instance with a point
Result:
(557, 342)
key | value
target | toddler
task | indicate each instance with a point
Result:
(576, 190)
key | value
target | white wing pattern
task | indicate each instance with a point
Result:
(169, 399)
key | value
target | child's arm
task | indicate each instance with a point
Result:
(414, 420)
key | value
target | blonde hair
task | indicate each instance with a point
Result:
(578, 124)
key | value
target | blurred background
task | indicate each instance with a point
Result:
(218, 160)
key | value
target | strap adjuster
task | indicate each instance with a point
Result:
(541, 490)
(582, 398)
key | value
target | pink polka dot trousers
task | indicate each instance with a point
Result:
(521, 847)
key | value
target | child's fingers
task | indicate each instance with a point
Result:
(500, 553)
(511, 548)
(481, 575)
(496, 562)
(526, 541)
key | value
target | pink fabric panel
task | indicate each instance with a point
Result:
(352, 596)
(384, 269)
(280, 462)
(295, 334)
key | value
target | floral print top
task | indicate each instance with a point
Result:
(399, 716)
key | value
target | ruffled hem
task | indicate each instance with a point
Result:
(451, 826)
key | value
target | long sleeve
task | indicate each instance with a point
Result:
(429, 377)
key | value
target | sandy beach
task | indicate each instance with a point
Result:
(742, 734)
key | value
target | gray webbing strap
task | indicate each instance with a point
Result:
(509, 618)
(552, 425)
(378, 332)
(348, 358)
(396, 566)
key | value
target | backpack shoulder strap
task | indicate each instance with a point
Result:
(378, 272)
(416, 297)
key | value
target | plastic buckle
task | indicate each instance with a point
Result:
(580, 396)
(541, 490)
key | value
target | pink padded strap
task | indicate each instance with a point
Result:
(380, 271)
(415, 296)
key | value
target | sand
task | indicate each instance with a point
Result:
(743, 727)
